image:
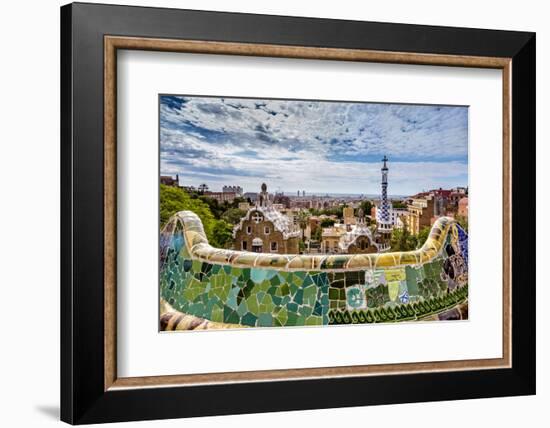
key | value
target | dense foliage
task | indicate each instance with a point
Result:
(327, 222)
(218, 209)
(403, 240)
(336, 211)
(233, 215)
(173, 199)
(366, 206)
(398, 204)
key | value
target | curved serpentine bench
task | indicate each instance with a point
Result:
(261, 289)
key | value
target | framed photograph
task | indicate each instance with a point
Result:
(257, 207)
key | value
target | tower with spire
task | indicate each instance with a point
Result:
(383, 213)
(263, 199)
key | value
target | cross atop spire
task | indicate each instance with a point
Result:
(385, 160)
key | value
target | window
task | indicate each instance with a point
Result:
(267, 230)
(257, 217)
(244, 245)
(248, 229)
(273, 246)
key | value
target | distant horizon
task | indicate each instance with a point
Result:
(314, 193)
(319, 144)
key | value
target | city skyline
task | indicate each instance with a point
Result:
(318, 146)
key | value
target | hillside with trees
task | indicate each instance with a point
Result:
(217, 219)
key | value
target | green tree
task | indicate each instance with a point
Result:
(398, 204)
(327, 222)
(422, 236)
(173, 200)
(233, 215)
(397, 239)
(213, 204)
(222, 234)
(235, 203)
(402, 240)
(302, 216)
(366, 206)
(318, 234)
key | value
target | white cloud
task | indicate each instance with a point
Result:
(313, 146)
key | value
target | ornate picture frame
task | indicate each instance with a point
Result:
(91, 389)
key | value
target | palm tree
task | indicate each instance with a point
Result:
(203, 188)
(302, 217)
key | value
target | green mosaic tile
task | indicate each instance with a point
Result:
(314, 320)
(292, 307)
(249, 319)
(235, 295)
(299, 275)
(292, 319)
(299, 296)
(305, 311)
(282, 316)
(266, 300)
(285, 290)
(258, 275)
(265, 320)
(242, 309)
(252, 304)
(217, 314)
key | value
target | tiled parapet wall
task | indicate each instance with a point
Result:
(268, 290)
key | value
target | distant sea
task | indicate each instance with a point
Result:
(346, 195)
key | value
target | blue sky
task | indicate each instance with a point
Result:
(316, 146)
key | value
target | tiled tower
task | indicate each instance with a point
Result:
(383, 217)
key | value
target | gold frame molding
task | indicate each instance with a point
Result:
(113, 43)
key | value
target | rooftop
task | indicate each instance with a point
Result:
(281, 222)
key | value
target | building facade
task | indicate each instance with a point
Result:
(424, 208)
(265, 229)
(330, 239)
(238, 190)
(351, 237)
(348, 239)
(168, 180)
(463, 207)
(421, 211)
(348, 214)
(221, 196)
(399, 217)
(362, 245)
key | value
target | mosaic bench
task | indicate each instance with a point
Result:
(246, 289)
